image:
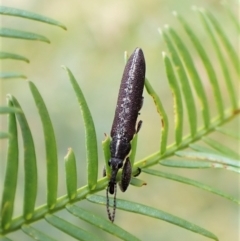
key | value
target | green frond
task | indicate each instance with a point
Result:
(91, 139)
(14, 33)
(184, 82)
(162, 113)
(10, 182)
(29, 15)
(50, 146)
(154, 213)
(5, 55)
(11, 75)
(30, 165)
(71, 174)
(197, 150)
(21, 34)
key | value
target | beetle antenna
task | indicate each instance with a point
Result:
(111, 216)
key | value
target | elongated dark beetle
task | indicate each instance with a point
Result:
(129, 103)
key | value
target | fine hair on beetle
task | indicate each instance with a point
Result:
(124, 127)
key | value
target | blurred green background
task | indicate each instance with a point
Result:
(98, 33)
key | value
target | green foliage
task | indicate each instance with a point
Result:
(184, 79)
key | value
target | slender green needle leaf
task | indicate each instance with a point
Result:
(199, 148)
(185, 163)
(70, 229)
(209, 157)
(207, 63)
(225, 41)
(154, 213)
(223, 149)
(11, 75)
(36, 234)
(101, 223)
(107, 156)
(191, 70)
(8, 109)
(235, 19)
(71, 174)
(178, 108)
(126, 57)
(162, 113)
(136, 182)
(5, 55)
(14, 33)
(11, 174)
(220, 57)
(190, 182)
(133, 149)
(233, 134)
(30, 166)
(4, 135)
(184, 81)
(2, 238)
(195, 164)
(29, 15)
(50, 146)
(91, 139)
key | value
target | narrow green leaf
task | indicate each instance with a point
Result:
(4, 135)
(185, 84)
(235, 19)
(199, 148)
(225, 41)
(192, 72)
(30, 166)
(126, 57)
(222, 61)
(209, 157)
(11, 75)
(106, 152)
(8, 109)
(70, 229)
(154, 213)
(29, 15)
(233, 134)
(207, 64)
(2, 238)
(136, 182)
(50, 146)
(71, 174)
(185, 164)
(101, 223)
(195, 164)
(223, 149)
(14, 33)
(36, 234)
(91, 139)
(133, 149)
(190, 182)
(162, 113)
(5, 55)
(178, 108)
(11, 174)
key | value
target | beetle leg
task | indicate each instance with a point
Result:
(138, 172)
(126, 175)
(139, 125)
